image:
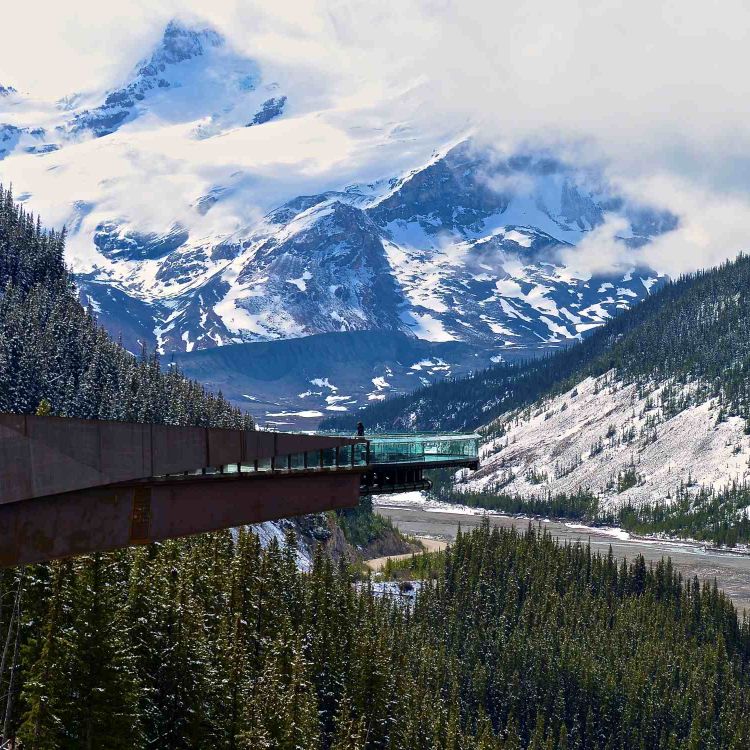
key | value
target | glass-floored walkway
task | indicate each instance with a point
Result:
(423, 448)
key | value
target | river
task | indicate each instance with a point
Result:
(412, 515)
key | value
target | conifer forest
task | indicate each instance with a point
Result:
(516, 642)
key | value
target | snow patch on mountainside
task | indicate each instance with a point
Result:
(276, 530)
(584, 438)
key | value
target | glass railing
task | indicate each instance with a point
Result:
(422, 448)
(415, 448)
(348, 455)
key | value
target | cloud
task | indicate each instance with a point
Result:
(714, 224)
(651, 79)
(600, 251)
(656, 89)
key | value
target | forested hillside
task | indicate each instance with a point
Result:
(52, 349)
(518, 643)
(696, 329)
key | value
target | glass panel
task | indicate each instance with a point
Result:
(390, 449)
(360, 454)
(298, 461)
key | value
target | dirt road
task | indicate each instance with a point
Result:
(431, 545)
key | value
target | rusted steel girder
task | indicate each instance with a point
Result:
(42, 456)
(74, 486)
(107, 518)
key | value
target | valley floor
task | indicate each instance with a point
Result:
(412, 515)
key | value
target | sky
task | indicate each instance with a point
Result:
(656, 90)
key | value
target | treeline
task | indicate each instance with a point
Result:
(582, 505)
(53, 353)
(579, 506)
(215, 643)
(695, 329)
(718, 516)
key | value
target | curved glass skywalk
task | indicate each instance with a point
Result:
(423, 448)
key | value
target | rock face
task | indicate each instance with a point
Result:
(330, 275)
(271, 108)
(27, 139)
(115, 244)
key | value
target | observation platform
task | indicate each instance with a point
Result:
(397, 462)
(71, 486)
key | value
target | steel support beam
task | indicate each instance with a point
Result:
(42, 456)
(108, 518)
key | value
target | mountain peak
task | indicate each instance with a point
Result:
(179, 43)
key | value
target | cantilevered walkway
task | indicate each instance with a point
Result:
(71, 486)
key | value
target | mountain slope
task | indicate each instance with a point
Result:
(692, 331)
(296, 382)
(669, 418)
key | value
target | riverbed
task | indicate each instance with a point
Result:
(412, 515)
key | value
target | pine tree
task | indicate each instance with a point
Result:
(44, 409)
(104, 712)
(46, 692)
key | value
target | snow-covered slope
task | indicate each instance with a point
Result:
(437, 254)
(209, 201)
(601, 429)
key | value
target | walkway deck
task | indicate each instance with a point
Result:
(71, 486)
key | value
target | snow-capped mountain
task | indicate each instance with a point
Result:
(190, 77)
(209, 202)
(439, 253)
